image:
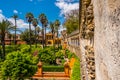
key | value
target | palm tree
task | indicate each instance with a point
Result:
(5, 26)
(52, 27)
(42, 19)
(35, 23)
(9, 36)
(38, 30)
(57, 24)
(29, 17)
(46, 24)
(52, 30)
(15, 18)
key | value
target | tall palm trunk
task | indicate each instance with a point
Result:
(0, 51)
(30, 35)
(3, 47)
(53, 41)
(10, 40)
(57, 39)
(15, 32)
(35, 38)
(38, 38)
(15, 35)
(43, 35)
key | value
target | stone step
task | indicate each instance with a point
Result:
(52, 76)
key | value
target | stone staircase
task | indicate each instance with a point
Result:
(51, 76)
(41, 75)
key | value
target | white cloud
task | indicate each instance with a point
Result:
(21, 24)
(1, 16)
(15, 11)
(61, 28)
(66, 6)
(0, 11)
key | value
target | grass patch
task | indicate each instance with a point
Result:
(76, 71)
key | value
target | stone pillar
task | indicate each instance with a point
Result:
(40, 69)
(66, 69)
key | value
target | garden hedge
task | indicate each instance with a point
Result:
(53, 68)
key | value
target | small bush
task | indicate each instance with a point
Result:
(18, 65)
(47, 56)
(69, 54)
(59, 54)
(53, 68)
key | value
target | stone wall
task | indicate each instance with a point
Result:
(107, 39)
(87, 40)
(73, 44)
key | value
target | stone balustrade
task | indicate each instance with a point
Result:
(67, 70)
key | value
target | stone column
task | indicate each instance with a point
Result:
(66, 69)
(40, 69)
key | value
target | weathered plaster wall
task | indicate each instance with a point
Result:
(107, 39)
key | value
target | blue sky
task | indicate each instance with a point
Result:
(35, 6)
(54, 9)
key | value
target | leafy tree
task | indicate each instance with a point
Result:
(24, 36)
(43, 19)
(5, 26)
(29, 17)
(72, 21)
(18, 66)
(35, 23)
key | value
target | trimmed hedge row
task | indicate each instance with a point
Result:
(53, 68)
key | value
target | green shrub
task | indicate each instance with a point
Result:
(18, 66)
(9, 48)
(47, 56)
(25, 49)
(59, 54)
(0, 69)
(69, 54)
(53, 68)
